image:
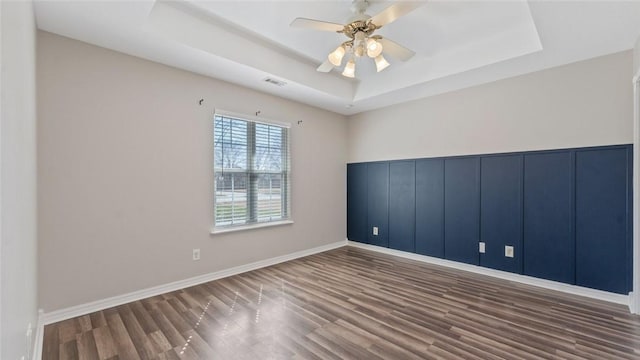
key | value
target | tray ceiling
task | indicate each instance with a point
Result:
(457, 44)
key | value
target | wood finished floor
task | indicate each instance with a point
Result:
(351, 303)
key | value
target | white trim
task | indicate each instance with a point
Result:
(1, 188)
(222, 230)
(634, 297)
(39, 340)
(256, 119)
(547, 284)
(83, 309)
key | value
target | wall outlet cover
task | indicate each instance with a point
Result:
(196, 254)
(508, 251)
(375, 230)
(481, 247)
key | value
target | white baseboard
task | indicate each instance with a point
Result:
(524, 279)
(633, 303)
(83, 309)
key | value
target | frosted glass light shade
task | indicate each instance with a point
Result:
(381, 63)
(350, 69)
(336, 56)
(374, 48)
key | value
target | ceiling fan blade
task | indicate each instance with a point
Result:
(316, 25)
(395, 11)
(396, 50)
(326, 66)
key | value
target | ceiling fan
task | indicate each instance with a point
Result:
(362, 42)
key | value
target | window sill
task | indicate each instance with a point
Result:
(250, 227)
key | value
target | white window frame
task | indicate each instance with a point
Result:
(217, 229)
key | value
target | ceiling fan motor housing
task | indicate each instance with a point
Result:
(364, 26)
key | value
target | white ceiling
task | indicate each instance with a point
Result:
(457, 44)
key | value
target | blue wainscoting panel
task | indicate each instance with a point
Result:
(501, 211)
(402, 206)
(378, 203)
(566, 212)
(462, 209)
(357, 202)
(430, 207)
(601, 219)
(549, 242)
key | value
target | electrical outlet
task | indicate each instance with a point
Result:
(481, 247)
(375, 230)
(508, 251)
(196, 254)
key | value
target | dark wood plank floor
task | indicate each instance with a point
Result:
(351, 303)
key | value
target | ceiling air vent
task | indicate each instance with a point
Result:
(274, 81)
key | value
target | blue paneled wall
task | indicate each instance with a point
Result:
(548, 236)
(357, 202)
(378, 203)
(402, 205)
(462, 209)
(566, 213)
(430, 207)
(501, 211)
(602, 207)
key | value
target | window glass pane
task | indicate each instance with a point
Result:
(231, 199)
(251, 172)
(230, 143)
(269, 204)
(269, 148)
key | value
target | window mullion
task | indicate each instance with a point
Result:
(252, 190)
(284, 189)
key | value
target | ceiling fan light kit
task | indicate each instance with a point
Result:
(350, 69)
(336, 56)
(374, 48)
(359, 30)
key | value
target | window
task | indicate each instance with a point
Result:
(251, 171)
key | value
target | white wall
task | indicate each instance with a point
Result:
(18, 178)
(581, 104)
(125, 174)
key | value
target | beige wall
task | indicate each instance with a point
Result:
(581, 104)
(18, 254)
(125, 174)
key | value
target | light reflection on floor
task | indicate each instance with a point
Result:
(186, 345)
(252, 324)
